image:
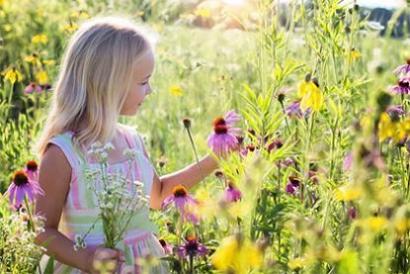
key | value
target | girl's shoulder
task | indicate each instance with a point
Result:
(63, 143)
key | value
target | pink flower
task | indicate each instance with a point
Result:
(403, 69)
(247, 149)
(352, 213)
(347, 162)
(192, 248)
(32, 87)
(294, 111)
(232, 193)
(22, 186)
(182, 201)
(32, 170)
(167, 248)
(224, 137)
(395, 111)
(293, 185)
(402, 87)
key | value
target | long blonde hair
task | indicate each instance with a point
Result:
(96, 74)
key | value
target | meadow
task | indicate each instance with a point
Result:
(321, 182)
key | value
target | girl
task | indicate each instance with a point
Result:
(104, 74)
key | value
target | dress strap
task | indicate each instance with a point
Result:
(64, 142)
(133, 139)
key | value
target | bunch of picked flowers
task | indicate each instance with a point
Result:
(117, 203)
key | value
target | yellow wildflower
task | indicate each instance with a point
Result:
(79, 15)
(402, 220)
(354, 55)
(237, 255)
(42, 77)
(403, 129)
(176, 90)
(347, 193)
(70, 28)
(49, 62)
(375, 223)
(39, 39)
(311, 95)
(298, 263)
(203, 12)
(387, 128)
(402, 225)
(12, 75)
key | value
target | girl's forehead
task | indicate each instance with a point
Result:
(145, 64)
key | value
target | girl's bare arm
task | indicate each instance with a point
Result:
(188, 176)
(54, 178)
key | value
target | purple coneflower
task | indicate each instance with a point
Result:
(294, 111)
(352, 213)
(182, 201)
(167, 248)
(293, 185)
(32, 87)
(395, 111)
(403, 69)
(32, 170)
(275, 144)
(22, 187)
(402, 87)
(287, 162)
(347, 162)
(232, 193)
(192, 248)
(224, 139)
(247, 149)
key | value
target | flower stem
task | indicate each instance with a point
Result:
(192, 144)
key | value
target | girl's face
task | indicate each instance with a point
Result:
(141, 86)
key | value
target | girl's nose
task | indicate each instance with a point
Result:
(148, 90)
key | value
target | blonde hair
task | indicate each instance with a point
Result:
(96, 74)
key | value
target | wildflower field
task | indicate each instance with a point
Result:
(315, 99)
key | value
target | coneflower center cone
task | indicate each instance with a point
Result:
(220, 126)
(20, 178)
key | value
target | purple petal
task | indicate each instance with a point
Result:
(167, 201)
(231, 117)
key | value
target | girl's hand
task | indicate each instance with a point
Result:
(104, 260)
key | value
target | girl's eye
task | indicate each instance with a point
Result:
(143, 84)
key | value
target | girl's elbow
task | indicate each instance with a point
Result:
(155, 204)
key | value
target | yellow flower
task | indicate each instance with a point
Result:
(203, 12)
(42, 77)
(298, 263)
(402, 220)
(80, 15)
(387, 128)
(402, 225)
(49, 62)
(311, 95)
(70, 28)
(375, 223)
(403, 129)
(33, 58)
(176, 90)
(12, 75)
(354, 55)
(237, 255)
(39, 39)
(347, 193)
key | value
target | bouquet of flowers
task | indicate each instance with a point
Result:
(116, 202)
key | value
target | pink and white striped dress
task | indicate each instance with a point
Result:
(81, 208)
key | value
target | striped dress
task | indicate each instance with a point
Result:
(81, 208)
